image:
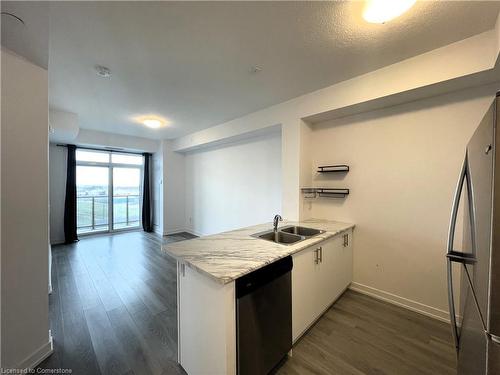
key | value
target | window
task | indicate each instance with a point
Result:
(126, 197)
(109, 190)
(92, 188)
(92, 156)
(126, 159)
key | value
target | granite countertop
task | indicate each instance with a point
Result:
(226, 256)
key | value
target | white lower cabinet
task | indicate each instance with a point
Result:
(320, 274)
(206, 324)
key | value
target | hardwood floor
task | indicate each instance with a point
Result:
(113, 311)
(113, 306)
(362, 335)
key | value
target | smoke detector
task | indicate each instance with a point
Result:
(255, 69)
(103, 71)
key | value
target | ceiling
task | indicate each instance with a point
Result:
(191, 62)
(31, 39)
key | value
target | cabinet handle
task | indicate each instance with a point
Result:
(316, 258)
(319, 252)
(346, 240)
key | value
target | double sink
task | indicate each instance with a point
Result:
(288, 235)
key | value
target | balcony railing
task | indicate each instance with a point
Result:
(93, 212)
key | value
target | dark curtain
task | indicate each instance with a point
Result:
(147, 221)
(70, 201)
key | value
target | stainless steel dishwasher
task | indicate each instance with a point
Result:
(264, 317)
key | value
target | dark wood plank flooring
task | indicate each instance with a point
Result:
(113, 305)
(362, 335)
(113, 311)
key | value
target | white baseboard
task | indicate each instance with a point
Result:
(35, 358)
(194, 233)
(402, 302)
(175, 231)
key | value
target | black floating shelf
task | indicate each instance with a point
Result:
(334, 193)
(308, 190)
(333, 168)
(325, 192)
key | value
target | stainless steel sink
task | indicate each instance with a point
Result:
(301, 231)
(288, 235)
(279, 237)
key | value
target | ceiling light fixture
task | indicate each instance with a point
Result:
(152, 123)
(381, 11)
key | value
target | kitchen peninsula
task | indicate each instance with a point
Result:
(208, 269)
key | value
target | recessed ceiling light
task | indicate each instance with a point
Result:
(381, 11)
(103, 71)
(152, 123)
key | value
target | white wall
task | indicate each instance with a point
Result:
(63, 126)
(234, 185)
(93, 138)
(57, 183)
(25, 326)
(404, 165)
(168, 190)
(157, 191)
(173, 189)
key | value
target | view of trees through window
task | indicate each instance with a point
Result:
(108, 191)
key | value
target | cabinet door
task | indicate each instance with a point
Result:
(206, 323)
(347, 260)
(306, 285)
(332, 271)
(317, 284)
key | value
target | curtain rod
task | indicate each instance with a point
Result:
(108, 149)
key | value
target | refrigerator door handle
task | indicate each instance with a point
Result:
(453, 255)
(450, 252)
(458, 256)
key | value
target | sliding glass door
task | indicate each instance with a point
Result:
(126, 197)
(92, 200)
(109, 191)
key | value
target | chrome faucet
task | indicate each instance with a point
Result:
(277, 219)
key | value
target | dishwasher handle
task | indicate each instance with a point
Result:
(265, 275)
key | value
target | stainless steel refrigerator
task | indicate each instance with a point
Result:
(475, 320)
